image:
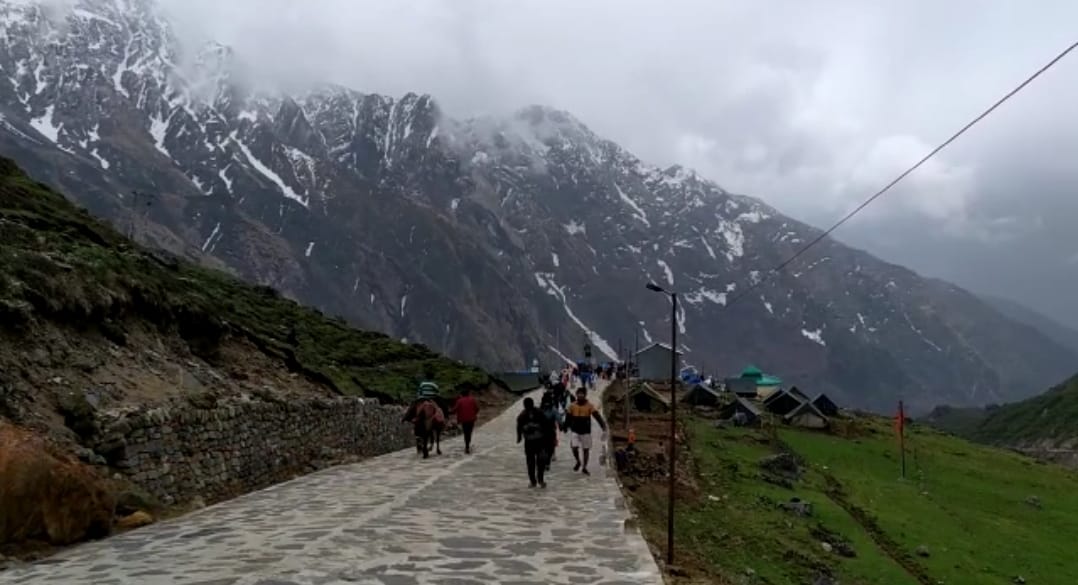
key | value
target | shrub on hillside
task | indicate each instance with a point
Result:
(46, 495)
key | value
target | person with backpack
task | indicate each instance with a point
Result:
(467, 411)
(534, 429)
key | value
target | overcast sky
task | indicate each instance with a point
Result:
(810, 106)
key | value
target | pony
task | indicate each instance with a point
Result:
(429, 420)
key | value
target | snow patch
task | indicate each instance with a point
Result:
(753, 216)
(199, 185)
(561, 355)
(554, 257)
(268, 173)
(223, 174)
(100, 159)
(637, 212)
(666, 269)
(734, 237)
(159, 130)
(547, 283)
(216, 231)
(574, 228)
(454, 204)
(699, 296)
(310, 248)
(816, 336)
(647, 336)
(404, 304)
(302, 164)
(920, 333)
(707, 246)
(768, 306)
(45, 127)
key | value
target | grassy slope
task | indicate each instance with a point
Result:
(964, 502)
(57, 263)
(1052, 415)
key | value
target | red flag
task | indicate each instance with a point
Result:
(900, 419)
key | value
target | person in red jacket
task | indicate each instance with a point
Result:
(467, 410)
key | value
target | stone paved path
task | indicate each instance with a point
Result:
(391, 520)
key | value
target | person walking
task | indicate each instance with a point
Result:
(533, 429)
(549, 410)
(467, 411)
(578, 418)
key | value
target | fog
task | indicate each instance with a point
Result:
(811, 106)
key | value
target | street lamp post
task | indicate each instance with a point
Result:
(673, 421)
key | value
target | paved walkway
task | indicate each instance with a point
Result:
(391, 520)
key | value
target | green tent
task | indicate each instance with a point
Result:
(761, 378)
(752, 372)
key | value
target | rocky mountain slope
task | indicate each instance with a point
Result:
(495, 239)
(85, 313)
(1053, 329)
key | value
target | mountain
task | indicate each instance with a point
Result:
(1053, 329)
(1045, 426)
(493, 239)
(83, 309)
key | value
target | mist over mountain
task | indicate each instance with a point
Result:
(494, 239)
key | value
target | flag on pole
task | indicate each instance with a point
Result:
(900, 420)
(900, 428)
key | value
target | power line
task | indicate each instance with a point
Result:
(774, 271)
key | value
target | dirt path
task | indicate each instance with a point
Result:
(885, 543)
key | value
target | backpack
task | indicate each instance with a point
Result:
(532, 429)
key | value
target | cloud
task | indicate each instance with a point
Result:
(812, 106)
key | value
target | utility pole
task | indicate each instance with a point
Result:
(673, 421)
(673, 434)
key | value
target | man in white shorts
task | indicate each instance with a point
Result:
(578, 418)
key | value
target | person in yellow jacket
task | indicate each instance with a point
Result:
(578, 418)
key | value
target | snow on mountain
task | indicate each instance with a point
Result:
(495, 239)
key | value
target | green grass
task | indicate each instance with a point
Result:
(966, 503)
(60, 265)
(1051, 416)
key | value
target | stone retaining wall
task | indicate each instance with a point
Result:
(179, 453)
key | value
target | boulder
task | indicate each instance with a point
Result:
(922, 551)
(784, 465)
(1034, 501)
(798, 507)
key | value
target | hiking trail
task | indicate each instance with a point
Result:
(389, 520)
